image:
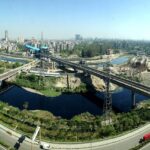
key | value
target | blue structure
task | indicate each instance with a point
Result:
(32, 49)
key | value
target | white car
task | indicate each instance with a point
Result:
(45, 146)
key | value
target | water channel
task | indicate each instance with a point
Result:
(69, 105)
(10, 59)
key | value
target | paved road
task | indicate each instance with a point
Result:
(120, 143)
(146, 147)
(2, 148)
(12, 140)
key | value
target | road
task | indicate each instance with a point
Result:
(146, 147)
(124, 142)
(12, 140)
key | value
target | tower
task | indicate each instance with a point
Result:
(6, 35)
(107, 107)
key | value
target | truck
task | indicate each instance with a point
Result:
(146, 137)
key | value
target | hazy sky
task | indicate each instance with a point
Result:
(64, 18)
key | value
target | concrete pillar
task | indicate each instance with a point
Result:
(68, 86)
(54, 65)
(133, 99)
(1, 83)
(75, 70)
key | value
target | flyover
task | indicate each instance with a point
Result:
(135, 87)
(13, 72)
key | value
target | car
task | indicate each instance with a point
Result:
(45, 146)
(21, 139)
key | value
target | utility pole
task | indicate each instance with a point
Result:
(107, 107)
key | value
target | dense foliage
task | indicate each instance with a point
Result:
(45, 85)
(6, 65)
(96, 47)
(80, 128)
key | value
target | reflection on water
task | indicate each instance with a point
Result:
(120, 60)
(117, 61)
(121, 99)
(12, 60)
(65, 105)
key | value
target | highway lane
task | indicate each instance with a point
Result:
(2, 148)
(12, 140)
(146, 147)
(124, 142)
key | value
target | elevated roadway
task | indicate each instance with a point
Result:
(13, 72)
(126, 83)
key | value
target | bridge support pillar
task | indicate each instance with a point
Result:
(53, 65)
(133, 99)
(75, 70)
(68, 86)
(1, 83)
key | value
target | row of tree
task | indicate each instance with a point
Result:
(82, 127)
(99, 47)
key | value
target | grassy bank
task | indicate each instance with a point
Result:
(45, 85)
(6, 145)
(83, 127)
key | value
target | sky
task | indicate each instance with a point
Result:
(62, 19)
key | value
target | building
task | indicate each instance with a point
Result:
(78, 37)
(6, 35)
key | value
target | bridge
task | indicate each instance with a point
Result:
(135, 87)
(13, 72)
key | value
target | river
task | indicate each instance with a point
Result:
(11, 59)
(69, 105)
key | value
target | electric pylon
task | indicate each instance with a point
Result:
(107, 107)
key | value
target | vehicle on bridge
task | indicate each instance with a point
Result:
(82, 62)
(146, 137)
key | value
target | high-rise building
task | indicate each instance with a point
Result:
(6, 35)
(42, 36)
(78, 37)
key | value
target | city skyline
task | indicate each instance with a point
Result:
(127, 19)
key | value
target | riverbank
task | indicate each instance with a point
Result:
(85, 126)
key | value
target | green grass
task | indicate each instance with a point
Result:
(50, 92)
(6, 146)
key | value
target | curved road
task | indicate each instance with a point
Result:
(146, 147)
(124, 142)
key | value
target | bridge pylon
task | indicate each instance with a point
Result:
(107, 107)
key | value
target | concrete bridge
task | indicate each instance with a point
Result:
(13, 72)
(135, 87)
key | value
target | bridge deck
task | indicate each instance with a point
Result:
(132, 85)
